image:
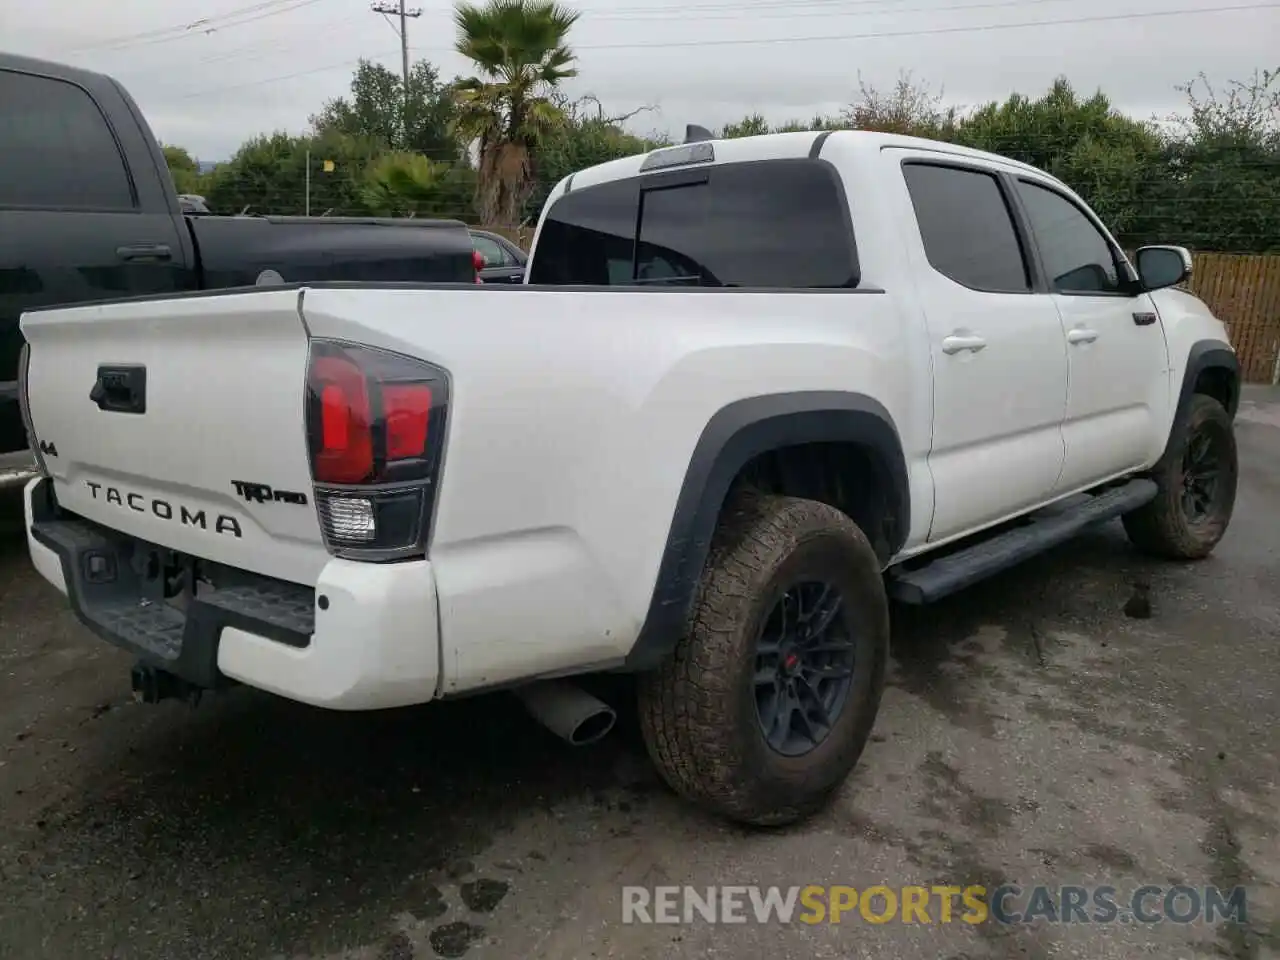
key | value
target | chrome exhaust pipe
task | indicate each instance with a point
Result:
(568, 711)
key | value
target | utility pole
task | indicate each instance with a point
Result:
(398, 10)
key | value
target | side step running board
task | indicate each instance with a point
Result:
(1048, 528)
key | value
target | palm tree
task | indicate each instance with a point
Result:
(519, 49)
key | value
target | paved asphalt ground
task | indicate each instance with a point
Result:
(1032, 734)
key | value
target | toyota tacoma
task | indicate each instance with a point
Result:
(751, 391)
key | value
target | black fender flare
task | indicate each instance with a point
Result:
(1203, 355)
(732, 438)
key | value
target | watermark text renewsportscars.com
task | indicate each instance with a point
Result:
(940, 903)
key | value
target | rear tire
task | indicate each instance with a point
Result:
(791, 586)
(1197, 488)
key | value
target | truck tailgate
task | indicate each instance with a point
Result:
(181, 422)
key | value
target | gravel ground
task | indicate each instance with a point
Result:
(1032, 734)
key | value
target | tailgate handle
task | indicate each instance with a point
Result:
(121, 388)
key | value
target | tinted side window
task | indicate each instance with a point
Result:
(778, 223)
(1077, 258)
(56, 149)
(588, 237)
(966, 227)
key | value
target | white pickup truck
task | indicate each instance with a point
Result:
(752, 390)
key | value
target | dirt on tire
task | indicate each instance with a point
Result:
(1161, 527)
(697, 711)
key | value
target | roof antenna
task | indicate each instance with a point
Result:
(693, 133)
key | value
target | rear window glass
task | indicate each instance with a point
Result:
(773, 223)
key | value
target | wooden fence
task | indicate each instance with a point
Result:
(1242, 290)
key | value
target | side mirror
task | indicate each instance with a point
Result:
(1160, 267)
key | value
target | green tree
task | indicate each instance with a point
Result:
(1110, 159)
(585, 138)
(1220, 189)
(908, 108)
(183, 168)
(376, 110)
(519, 50)
(268, 175)
(749, 126)
(411, 185)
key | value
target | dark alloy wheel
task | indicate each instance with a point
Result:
(768, 699)
(1197, 487)
(1202, 470)
(804, 668)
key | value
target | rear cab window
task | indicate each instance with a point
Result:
(765, 223)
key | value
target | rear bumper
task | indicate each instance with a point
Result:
(365, 637)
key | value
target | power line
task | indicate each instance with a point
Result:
(261, 50)
(755, 41)
(202, 27)
(826, 8)
(788, 13)
(180, 27)
(690, 12)
(886, 34)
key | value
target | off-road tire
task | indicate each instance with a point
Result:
(698, 710)
(1162, 527)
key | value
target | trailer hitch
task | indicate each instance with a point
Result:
(152, 685)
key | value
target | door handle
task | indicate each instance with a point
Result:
(144, 251)
(1081, 335)
(956, 343)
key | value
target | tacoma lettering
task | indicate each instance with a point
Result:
(222, 523)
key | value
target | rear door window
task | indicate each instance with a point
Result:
(775, 223)
(966, 227)
(56, 149)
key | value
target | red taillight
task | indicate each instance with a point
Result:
(345, 453)
(375, 423)
(335, 419)
(407, 409)
(477, 258)
(370, 414)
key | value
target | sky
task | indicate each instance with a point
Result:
(210, 73)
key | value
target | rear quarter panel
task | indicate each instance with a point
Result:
(573, 417)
